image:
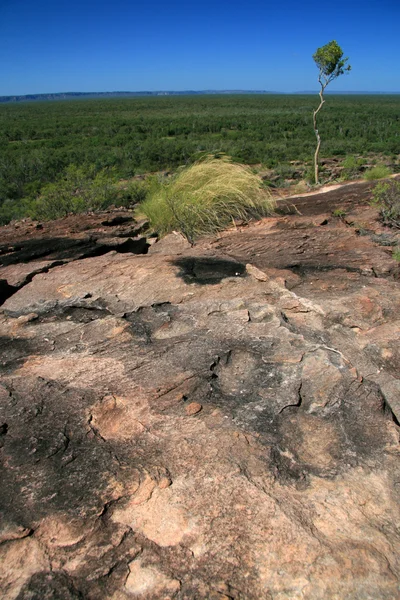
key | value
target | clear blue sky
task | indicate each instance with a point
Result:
(97, 45)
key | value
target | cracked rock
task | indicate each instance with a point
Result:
(177, 425)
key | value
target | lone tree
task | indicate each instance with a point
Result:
(330, 62)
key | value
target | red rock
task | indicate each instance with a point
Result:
(193, 408)
(286, 487)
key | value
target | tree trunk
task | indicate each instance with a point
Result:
(321, 95)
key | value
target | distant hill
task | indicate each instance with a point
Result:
(78, 95)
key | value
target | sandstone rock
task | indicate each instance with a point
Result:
(257, 273)
(149, 582)
(193, 408)
(285, 487)
(19, 560)
(171, 244)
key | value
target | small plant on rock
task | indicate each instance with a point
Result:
(339, 212)
(386, 196)
(396, 254)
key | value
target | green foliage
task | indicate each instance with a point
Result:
(352, 167)
(330, 62)
(78, 190)
(396, 254)
(142, 135)
(13, 210)
(137, 191)
(339, 212)
(378, 172)
(131, 194)
(286, 173)
(386, 196)
(204, 198)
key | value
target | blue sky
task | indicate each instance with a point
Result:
(96, 45)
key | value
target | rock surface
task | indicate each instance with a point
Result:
(211, 422)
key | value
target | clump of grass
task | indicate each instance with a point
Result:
(378, 172)
(339, 212)
(386, 196)
(205, 197)
(396, 254)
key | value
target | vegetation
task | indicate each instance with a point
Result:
(386, 196)
(352, 167)
(77, 190)
(122, 138)
(331, 64)
(205, 197)
(340, 213)
(378, 172)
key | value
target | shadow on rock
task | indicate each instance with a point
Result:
(49, 586)
(206, 270)
(63, 248)
(6, 291)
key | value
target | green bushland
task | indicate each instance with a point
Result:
(131, 136)
(396, 254)
(386, 196)
(352, 166)
(205, 197)
(378, 172)
(77, 190)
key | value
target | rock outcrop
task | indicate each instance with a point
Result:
(211, 422)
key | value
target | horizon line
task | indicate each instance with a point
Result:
(190, 92)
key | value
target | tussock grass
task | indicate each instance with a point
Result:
(206, 197)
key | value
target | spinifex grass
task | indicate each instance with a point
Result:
(206, 197)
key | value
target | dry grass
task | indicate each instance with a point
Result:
(206, 197)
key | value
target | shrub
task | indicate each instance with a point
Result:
(131, 194)
(137, 191)
(378, 172)
(78, 190)
(396, 254)
(12, 209)
(351, 167)
(386, 196)
(205, 198)
(286, 171)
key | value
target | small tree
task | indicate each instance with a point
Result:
(330, 62)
